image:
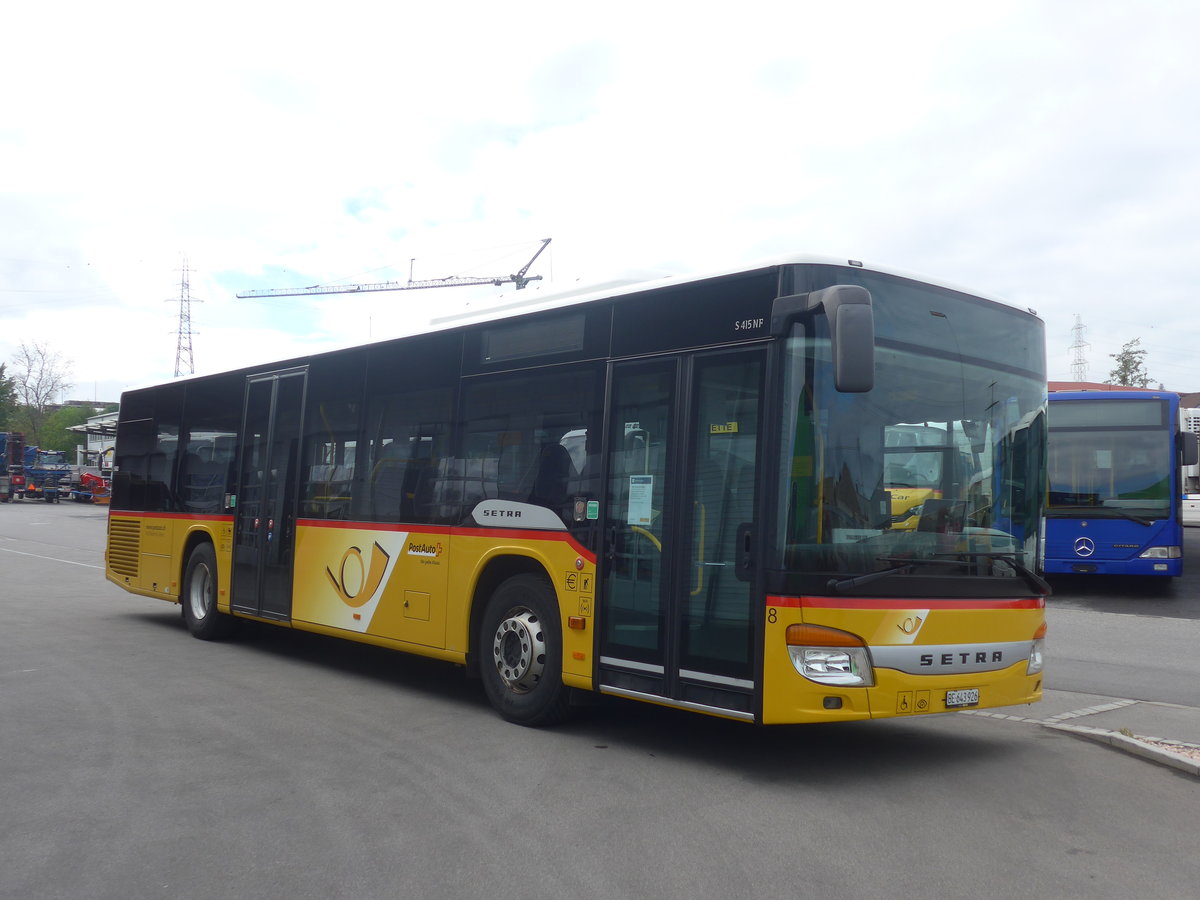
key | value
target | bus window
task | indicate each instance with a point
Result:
(406, 431)
(209, 437)
(333, 408)
(147, 443)
(527, 440)
(407, 439)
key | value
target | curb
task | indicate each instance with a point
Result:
(1152, 752)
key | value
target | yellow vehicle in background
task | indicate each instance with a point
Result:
(907, 506)
(924, 462)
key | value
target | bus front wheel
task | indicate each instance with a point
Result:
(200, 596)
(520, 652)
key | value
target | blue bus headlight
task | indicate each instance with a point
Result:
(1162, 553)
(829, 656)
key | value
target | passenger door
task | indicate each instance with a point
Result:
(677, 616)
(265, 501)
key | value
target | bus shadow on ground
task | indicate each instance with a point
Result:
(1118, 594)
(389, 668)
(824, 753)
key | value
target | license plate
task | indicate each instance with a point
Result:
(967, 697)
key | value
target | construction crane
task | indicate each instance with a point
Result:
(520, 279)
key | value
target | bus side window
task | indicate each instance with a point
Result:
(208, 437)
(530, 430)
(407, 434)
(333, 410)
(147, 444)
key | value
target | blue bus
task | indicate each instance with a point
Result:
(1114, 483)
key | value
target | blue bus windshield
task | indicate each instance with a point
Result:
(1113, 499)
(1110, 457)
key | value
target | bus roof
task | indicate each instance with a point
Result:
(619, 287)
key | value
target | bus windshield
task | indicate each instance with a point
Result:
(1110, 458)
(938, 470)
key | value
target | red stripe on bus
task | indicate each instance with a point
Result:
(374, 526)
(183, 517)
(527, 535)
(492, 533)
(495, 533)
(905, 603)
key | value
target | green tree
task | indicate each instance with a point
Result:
(56, 433)
(8, 400)
(1130, 367)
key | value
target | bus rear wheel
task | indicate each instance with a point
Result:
(520, 652)
(200, 596)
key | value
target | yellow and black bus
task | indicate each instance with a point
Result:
(673, 492)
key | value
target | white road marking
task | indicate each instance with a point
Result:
(69, 562)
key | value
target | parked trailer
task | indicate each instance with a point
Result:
(12, 470)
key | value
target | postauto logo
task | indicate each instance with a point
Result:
(428, 550)
(357, 582)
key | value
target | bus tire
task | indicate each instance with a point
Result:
(199, 597)
(520, 652)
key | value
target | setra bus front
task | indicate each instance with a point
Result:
(864, 619)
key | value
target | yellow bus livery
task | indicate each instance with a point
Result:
(770, 494)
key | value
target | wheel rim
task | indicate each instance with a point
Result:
(200, 591)
(519, 651)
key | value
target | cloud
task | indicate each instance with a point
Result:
(1043, 153)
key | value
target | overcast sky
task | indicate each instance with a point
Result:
(1046, 153)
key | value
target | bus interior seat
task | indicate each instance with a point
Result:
(387, 485)
(553, 473)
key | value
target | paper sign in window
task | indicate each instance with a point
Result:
(641, 491)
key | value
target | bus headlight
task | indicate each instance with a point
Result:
(1037, 652)
(1162, 553)
(829, 656)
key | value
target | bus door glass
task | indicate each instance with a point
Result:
(677, 616)
(265, 505)
(637, 536)
(716, 630)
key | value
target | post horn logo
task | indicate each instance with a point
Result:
(356, 583)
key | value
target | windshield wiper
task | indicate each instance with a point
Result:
(845, 585)
(1019, 567)
(902, 566)
(1095, 512)
(1132, 518)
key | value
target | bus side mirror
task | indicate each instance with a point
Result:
(847, 308)
(1188, 446)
